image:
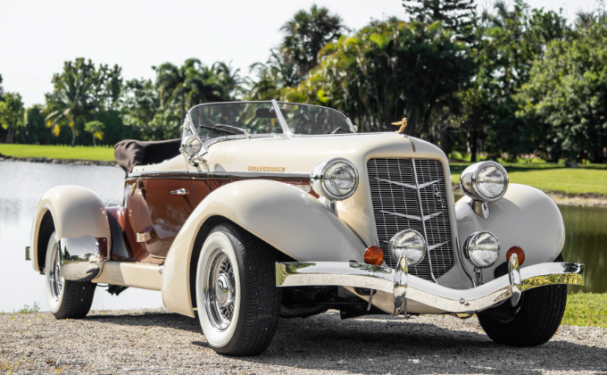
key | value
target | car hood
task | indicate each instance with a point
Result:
(299, 155)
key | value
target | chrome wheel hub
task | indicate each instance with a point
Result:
(56, 279)
(220, 290)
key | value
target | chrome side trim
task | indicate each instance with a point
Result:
(197, 175)
(159, 174)
(399, 283)
(303, 176)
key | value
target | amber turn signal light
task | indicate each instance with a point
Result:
(374, 255)
(519, 253)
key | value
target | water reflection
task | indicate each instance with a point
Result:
(586, 242)
(22, 185)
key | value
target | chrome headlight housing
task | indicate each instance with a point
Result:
(482, 249)
(335, 179)
(192, 145)
(486, 181)
(409, 244)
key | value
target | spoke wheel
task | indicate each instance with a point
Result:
(55, 278)
(66, 299)
(220, 290)
(235, 287)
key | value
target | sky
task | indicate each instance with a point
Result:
(36, 37)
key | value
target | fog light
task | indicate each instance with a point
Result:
(409, 244)
(482, 249)
(374, 255)
(519, 253)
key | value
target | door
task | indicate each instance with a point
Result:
(157, 210)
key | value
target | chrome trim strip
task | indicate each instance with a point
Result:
(432, 247)
(409, 186)
(159, 174)
(195, 175)
(412, 217)
(397, 283)
(421, 211)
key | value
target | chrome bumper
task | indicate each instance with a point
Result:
(402, 285)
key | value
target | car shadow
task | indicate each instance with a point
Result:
(384, 344)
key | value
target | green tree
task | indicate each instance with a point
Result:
(564, 102)
(71, 99)
(172, 87)
(273, 77)
(11, 115)
(35, 130)
(306, 34)
(504, 45)
(81, 91)
(229, 80)
(1, 88)
(453, 14)
(202, 84)
(389, 70)
(96, 129)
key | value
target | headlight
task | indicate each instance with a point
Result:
(192, 145)
(335, 179)
(410, 244)
(485, 181)
(482, 249)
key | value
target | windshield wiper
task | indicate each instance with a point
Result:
(215, 126)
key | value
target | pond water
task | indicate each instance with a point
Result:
(22, 184)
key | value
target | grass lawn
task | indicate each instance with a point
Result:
(104, 153)
(586, 309)
(551, 177)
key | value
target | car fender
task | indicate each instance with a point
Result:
(524, 217)
(75, 211)
(287, 218)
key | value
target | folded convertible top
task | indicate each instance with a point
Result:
(130, 153)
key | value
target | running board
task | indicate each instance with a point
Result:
(131, 274)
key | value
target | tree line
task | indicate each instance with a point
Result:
(504, 81)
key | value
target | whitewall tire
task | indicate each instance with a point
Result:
(236, 296)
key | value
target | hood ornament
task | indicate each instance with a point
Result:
(403, 125)
(401, 131)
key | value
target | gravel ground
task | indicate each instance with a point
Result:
(157, 342)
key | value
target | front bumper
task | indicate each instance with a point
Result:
(404, 286)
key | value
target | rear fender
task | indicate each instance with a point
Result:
(524, 217)
(74, 212)
(287, 218)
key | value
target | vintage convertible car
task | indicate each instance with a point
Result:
(267, 209)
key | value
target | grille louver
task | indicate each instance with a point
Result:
(395, 185)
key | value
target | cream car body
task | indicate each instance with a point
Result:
(261, 184)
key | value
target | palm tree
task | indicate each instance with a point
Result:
(171, 84)
(272, 77)
(96, 129)
(70, 102)
(307, 33)
(229, 79)
(202, 84)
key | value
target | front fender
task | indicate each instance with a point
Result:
(75, 212)
(289, 219)
(524, 217)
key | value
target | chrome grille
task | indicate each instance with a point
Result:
(395, 184)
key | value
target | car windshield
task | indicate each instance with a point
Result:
(234, 118)
(308, 119)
